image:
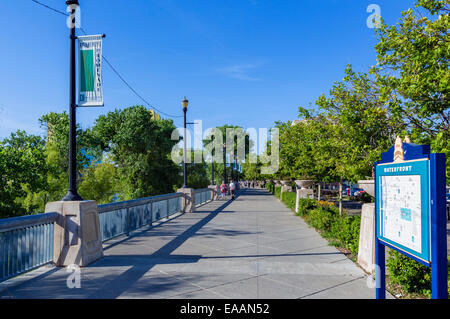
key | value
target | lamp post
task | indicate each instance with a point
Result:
(212, 160)
(184, 104)
(72, 194)
(237, 168)
(225, 163)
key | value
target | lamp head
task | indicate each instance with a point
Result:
(184, 104)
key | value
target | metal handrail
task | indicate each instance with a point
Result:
(20, 222)
(123, 217)
(201, 190)
(26, 243)
(136, 202)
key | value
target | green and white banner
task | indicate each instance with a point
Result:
(91, 84)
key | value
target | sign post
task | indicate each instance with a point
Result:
(410, 211)
(72, 194)
(91, 93)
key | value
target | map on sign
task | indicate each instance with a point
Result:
(402, 210)
(403, 207)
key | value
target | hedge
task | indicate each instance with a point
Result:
(412, 276)
(270, 187)
(289, 199)
(277, 191)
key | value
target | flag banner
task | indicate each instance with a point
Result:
(91, 84)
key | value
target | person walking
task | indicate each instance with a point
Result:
(223, 189)
(232, 189)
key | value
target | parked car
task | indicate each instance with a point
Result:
(346, 189)
(448, 206)
(357, 191)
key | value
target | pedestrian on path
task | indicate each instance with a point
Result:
(232, 189)
(223, 189)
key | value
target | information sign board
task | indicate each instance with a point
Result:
(403, 210)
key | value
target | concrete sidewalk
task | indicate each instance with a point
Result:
(253, 247)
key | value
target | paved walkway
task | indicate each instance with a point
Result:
(253, 247)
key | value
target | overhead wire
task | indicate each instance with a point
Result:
(116, 72)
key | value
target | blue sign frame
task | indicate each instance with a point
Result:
(437, 219)
(416, 167)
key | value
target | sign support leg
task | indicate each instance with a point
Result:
(380, 272)
(438, 228)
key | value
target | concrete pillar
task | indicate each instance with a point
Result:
(215, 191)
(77, 236)
(303, 193)
(366, 251)
(188, 202)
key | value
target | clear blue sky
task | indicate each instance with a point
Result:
(242, 62)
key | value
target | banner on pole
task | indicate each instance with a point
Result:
(90, 79)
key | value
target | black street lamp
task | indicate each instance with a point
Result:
(225, 163)
(236, 160)
(72, 194)
(212, 160)
(184, 104)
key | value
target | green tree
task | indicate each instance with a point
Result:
(23, 171)
(413, 63)
(140, 147)
(252, 171)
(239, 139)
(361, 125)
(197, 173)
(100, 182)
(308, 149)
(57, 150)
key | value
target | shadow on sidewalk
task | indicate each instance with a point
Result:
(143, 264)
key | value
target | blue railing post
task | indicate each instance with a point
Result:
(167, 207)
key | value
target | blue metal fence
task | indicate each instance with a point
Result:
(202, 196)
(26, 243)
(120, 218)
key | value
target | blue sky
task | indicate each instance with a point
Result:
(241, 62)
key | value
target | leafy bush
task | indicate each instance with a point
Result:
(270, 187)
(409, 274)
(277, 191)
(322, 219)
(305, 205)
(346, 230)
(324, 216)
(366, 198)
(289, 199)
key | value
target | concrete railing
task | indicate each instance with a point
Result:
(26, 242)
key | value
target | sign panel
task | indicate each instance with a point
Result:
(90, 79)
(403, 212)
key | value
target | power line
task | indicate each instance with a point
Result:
(131, 88)
(53, 9)
(113, 68)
